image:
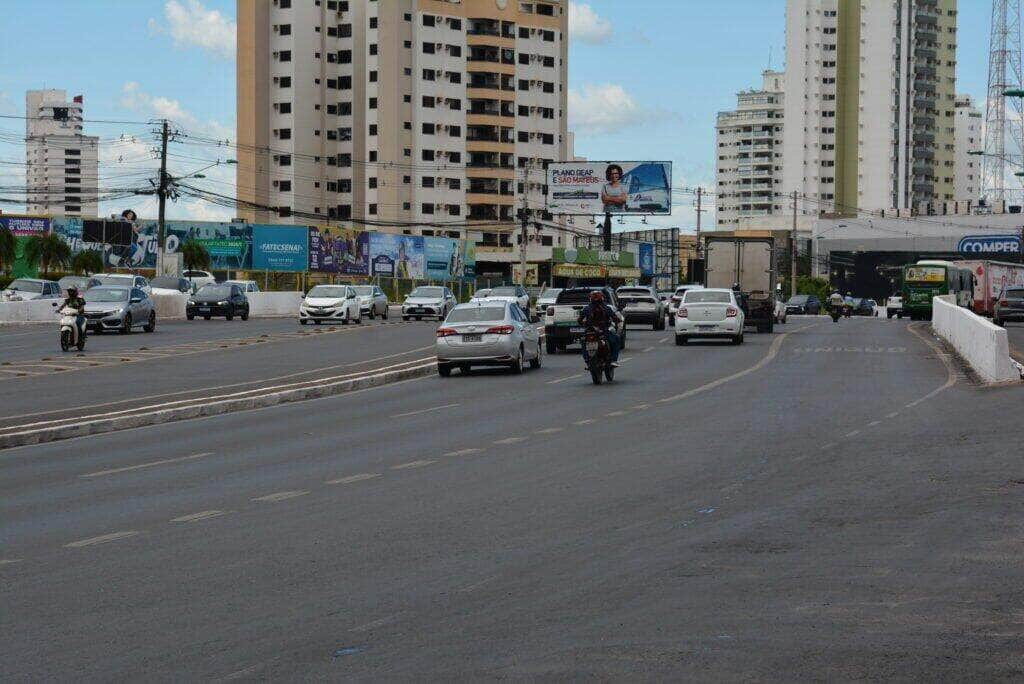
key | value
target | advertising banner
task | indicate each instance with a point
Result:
(990, 245)
(443, 257)
(280, 248)
(339, 250)
(469, 259)
(646, 258)
(596, 257)
(396, 256)
(532, 274)
(610, 187)
(25, 226)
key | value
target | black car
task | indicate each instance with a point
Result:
(803, 304)
(218, 299)
(863, 307)
(1010, 306)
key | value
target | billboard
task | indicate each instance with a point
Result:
(396, 256)
(443, 258)
(645, 255)
(25, 226)
(280, 247)
(609, 187)
(990, 245)
(338, 250)
(469, 259)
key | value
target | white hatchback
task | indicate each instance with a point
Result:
(330, 303)
(710, 313)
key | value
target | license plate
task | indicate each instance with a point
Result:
(576, 330)
(204, 308)
(707, 327)
(472, 338)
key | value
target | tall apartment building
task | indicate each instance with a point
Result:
(423, 111)
(61, 163)
(870, 94)
(749, 168)
(968, 138)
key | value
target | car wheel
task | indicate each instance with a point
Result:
(151, 326)
(206, 318)
(738, 339)
(373, 313)
(681, 340)
(405, 318)
(672, 320)
(303, 321)
(444, 370)
(245, 316)
(384, 313)
(230, 315)
(126, 328)
(190, 317)
(517, 364)
(536, 362)
(550, 346)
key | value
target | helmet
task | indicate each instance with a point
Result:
(72, 291)
(597, 296)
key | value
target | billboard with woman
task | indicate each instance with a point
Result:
(610, 187)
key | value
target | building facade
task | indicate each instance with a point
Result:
(968, 139)
(869, 104)
(422, 116)
(748, 173)
(61, 162)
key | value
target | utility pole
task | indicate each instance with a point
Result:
(162, 192)
(792, 252)
(524, 219)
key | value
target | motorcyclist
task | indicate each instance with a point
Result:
(836, 301)
(599, 315)
(74, 301)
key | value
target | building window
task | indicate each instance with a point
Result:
(373, 129)
(524, 32)
(373, 155)
(427, 208)
(428, 48)
(428, 20)
(372, 182)
(455, 24)
(427, 155)
(454, 183)
(284, 186)
(285, 55)
(284, 4)
(455, 131)
(284, 160)
(407, 125)
(284, 107)
(549, 36)
(427, 181)
(285, 82)
(455, 157)
(428, 101)
(428, 129)
(344, 56)
(372, 103)
(373, 22)
(373, 210)
(285, 29)
(428, 74)
(373, 48)
(284, 133)
(344, 108)
(373, 76)
(454, 210)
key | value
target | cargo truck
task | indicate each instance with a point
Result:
(991, 278)
(750, 263)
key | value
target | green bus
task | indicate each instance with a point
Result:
(927, 279)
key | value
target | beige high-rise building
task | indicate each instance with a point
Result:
(401, 112)
(61, 163)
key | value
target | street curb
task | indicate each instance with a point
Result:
(103, 425)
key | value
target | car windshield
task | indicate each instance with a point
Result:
(798, 299)
(363, 290)
(165, 282)
(706, 297)
(476, 314)
(683, 290)
(214, 291)
(1015, 293)
(427, 292)
(25, 286)
(328, 292)
(73, 281)
(107, 294)
(481, 294)
(504, 292)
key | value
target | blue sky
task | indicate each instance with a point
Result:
(646, 78)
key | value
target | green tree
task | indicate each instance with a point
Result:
(7, 251)
(87, 262)
(195, 256)
(47, 250)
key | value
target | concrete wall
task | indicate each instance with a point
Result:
(275, 303)
(168, 306)
(982, 344)
(41, 311)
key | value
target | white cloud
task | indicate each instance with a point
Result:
(135, 99)
(604, 108)
(586, 26)
(192, 24)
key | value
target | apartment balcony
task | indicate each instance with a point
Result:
(924, 153)
(924, 101)
(923, 120)
(762, 134)
(925, 54)
(926, 35)
(754, 212)
(922, 168)
(924, 137)
(924, 73)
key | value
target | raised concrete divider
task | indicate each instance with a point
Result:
(274, 303)
(169, 305)
(33, 311)
(980, 342)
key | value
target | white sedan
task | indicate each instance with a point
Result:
(710, 313)
(330, 303)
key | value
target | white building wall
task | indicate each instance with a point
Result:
(876, 173)
(62, 164)
(968, 138)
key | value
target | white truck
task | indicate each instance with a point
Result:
(750, 263)
(561, 320)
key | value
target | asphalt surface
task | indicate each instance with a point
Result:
(1015, 334)
(834, 501)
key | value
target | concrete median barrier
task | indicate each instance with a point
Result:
(977, 340)
(35, 311)
(274, 304)
(169, 305)
(41, 434)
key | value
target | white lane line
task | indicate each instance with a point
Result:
(281, 496)
(510, 440)
(10, 561)
(201, 515)
(463, 452)
(950, 370)
(893, 414)
(641, 407)
(612, 414)
(663, 340)
(413, 464)
(374, 624)
(570, 377)
(426, 410)
(647, 349)
(548, 431)
(353, 478)
(624, 360)
(477, 585)
(585, 421)
(102, 539)
(828, 446)
(852, 433)
(180, 459)
(874, 423)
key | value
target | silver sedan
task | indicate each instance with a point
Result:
(487, 334)
(372, 300)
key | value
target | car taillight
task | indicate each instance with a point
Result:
(501, 330)
(682, 313)
(1003, 302)
(446, 332)
(731, 312)
(551, 311)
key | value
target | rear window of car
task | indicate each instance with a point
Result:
(574, 297)
(706, 297)
(799, 299)
(476, 314)
(1016, 293)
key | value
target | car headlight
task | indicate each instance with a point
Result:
(191, 302)
(224, 303)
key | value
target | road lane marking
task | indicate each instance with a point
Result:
(852, 433)
(641, 407)
(102, 539)
(548, 431)
(612, 414)
(663, 340)
(151, 464)
(353, 478)
(374, 624)
(950, 370)
(413, 464)
(281, 496)
(426, 410)
(10, 561)
(874, 423)
(647, 349)
(201, 515)
(463, 452)
(828, 446)
(477, 585)
(893, 414)
(570, 377)
(509, 440)
(585, 421)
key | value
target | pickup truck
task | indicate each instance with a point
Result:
(894, 306)
(561, 325)
(749, 262)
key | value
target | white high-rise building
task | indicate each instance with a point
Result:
(749, 166)
(967, 169)
(869, 104)
(399, 112)
(61, 163)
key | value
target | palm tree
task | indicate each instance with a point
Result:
(47, 250)
(87, 262)
(7, 251)
(195, 256)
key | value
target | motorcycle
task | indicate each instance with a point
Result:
(69, 334)
(600, 355)
(835, 312)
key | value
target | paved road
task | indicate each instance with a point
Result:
(835, 502)
(1015, 332)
